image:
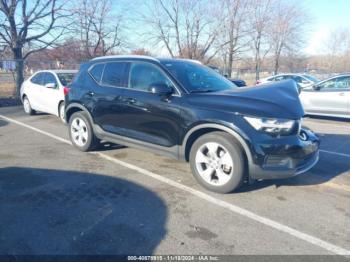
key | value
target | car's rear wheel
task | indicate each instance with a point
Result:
(27, 107)
(81, 133)
(217, 162)
(61, 112)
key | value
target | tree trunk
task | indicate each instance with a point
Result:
(18, 56)
(276, 66)
(230, 65)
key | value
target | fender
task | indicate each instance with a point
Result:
(81, 107)
(235, 132)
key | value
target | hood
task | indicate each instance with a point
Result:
(274, 100)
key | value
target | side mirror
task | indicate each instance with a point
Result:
(316, 87)
(161, 89)
(50, 85)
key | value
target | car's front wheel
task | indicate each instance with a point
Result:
(217, 162)
(81, 133)
(27, 107)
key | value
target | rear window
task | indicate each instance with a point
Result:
(96, 72)
(114, 74)
(66, 78)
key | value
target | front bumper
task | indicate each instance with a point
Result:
(285, 157)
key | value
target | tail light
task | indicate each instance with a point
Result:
(66, 90)
(258, 82)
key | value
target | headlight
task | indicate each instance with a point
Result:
(272, 125)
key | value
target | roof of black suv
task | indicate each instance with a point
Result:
(143, 57)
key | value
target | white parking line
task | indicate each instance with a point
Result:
(236, 209)
(334, 153)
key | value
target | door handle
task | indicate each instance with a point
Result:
(131, 100)
(90, 93)
(342, 94)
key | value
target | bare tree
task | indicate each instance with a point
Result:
(259, 22)
(337, 50)
(286, 29)
(186, 28)
(30, 25)
(233, 32)
(98, 27)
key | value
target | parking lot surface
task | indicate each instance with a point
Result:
(57, 200)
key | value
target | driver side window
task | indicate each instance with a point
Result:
(49, 79)
(336, 83)
(144, 75)
(38, 79)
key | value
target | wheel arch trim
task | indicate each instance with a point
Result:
(236, 134)
(81, 107)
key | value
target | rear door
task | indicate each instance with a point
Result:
(111, 78)
(331, 98)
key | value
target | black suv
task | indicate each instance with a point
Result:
(183, 109)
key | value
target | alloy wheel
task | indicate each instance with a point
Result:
(214, 163)
(79, 132)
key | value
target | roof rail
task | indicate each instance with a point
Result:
(126, 56)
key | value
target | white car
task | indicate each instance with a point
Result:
(303, 80)
(45, 90)
(330, 97)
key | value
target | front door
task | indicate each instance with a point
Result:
(148, 116)
(332, 97)
(51, 95)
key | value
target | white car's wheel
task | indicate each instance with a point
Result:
(61, 112)
(27, 107)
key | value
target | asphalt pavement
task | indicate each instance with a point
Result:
(117, 200)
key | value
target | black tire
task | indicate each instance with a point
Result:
(27, 107)
(62, 117)
(232, 147)
(92, 141)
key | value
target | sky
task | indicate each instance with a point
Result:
(326, 16)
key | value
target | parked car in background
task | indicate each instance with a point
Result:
(45, 90)
(302, 80)
(330, 97)
(183, 109)
(238, 82)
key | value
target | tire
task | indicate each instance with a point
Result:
(81, 133)
(217, 162)
(27, 107)
(61, 113)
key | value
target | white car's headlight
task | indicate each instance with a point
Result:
(272, 125)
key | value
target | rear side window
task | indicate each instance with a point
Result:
(280, 78)
(96, 72)
(114, 74)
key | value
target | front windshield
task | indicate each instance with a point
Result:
(198, 78)
(65, 78)
(313, 79)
